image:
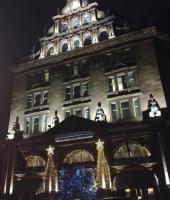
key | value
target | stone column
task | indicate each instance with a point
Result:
(69, 43)
(9, 166)
(110, 30)
(56, 28)
(95, 35)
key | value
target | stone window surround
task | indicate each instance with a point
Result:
(73, 83)
(125, 98)
(116, 72)
(31, 117)
(32, 92)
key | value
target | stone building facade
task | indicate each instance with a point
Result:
(89, 82)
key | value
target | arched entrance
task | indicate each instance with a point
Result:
(77, 176)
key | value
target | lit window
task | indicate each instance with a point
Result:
(114, 111)
(68, 93)
(121, 80)
(136, 106)
(35, 125)
(85, 89)
(112, 84)
(87, 113)
(29, 101)
(45, 97)
(37, 99)
(77, 92)
(131, 79)
(125, 109)
(44, 123)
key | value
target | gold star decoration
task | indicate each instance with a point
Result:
(50, 150)
(99, 144)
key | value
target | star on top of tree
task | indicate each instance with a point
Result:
(99, 143)
(50, 150)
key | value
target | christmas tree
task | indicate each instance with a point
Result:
(50, 182)
(77, 183)
(103, 178)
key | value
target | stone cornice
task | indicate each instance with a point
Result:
(88, 50)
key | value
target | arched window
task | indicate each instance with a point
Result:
(86, 19)
(50, 51)
(78, 156)
(76, 43)
(88, 40)
(75, 22)
(65, 47)
(35, 161)
(131, 150)
(103, 36)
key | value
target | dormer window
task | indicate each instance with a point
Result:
(75, 23)
(76, 43)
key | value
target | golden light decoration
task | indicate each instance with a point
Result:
(50, 182)
(103, 177)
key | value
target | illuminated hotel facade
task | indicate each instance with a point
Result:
(89, 84)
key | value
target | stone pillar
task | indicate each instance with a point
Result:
(95, 35)
(69, 43)
(56, 28)
(43, 51)
(110, 30)
(9, 167)
(93, 15)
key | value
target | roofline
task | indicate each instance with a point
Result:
(118, 40)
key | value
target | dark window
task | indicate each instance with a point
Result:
(78, 113)
(76, 44)
(114, 111)
(65, 47)
(45, 97)
(125, 107)
(85, 89)
(36, 125)
(68, 93)
(77, 91)
(88, 40)
(103, 36)
(37, 100)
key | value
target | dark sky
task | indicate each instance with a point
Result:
(22, 22)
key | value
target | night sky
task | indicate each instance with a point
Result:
(22, 22)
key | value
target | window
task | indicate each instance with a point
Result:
(67, 114)
(136, 106)
(121, 80)
(112, 84)
(76, 43)
(77, 91)
(88, 40)
(29, 101)
(114, 111)
(131, 78)
(87, 113)
(65, 47)
(27, 125)
(85, 89)
(78, 112)
(45, 97)
(44, 123)
(68, 93)
(35, 125)
(75, 22)
(125, 108)
(37, 99)
(64, 27)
